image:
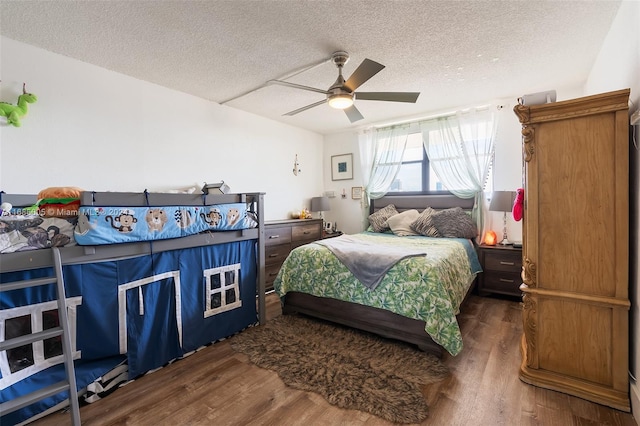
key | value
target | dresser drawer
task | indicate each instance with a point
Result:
(275, 236)
(502, 282)
(281, 237)
(306, 232)
(508, 261)
(275, 255)
(270, 274)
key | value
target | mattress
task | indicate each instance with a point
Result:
(428, 288)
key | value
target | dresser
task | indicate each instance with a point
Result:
(282, 236)
(501, 268)
(576, 247)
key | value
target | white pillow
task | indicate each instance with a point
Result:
(400, 223)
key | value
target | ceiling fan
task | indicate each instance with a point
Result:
(342, 94)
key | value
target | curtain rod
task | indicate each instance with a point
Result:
(431, 117)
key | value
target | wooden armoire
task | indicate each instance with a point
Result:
(576, 247)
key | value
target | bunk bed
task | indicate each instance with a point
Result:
(309, 286)
(139, 300)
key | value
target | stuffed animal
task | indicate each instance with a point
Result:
(14, 112)
(518, 204)
(5, 209)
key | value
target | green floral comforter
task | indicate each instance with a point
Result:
(429, 288)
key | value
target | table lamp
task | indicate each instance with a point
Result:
(502, 201)
(320, 204)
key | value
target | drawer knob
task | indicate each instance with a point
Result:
(274, 255)
(507, 263)
(504, 280)
(273, 236)
(307, 232)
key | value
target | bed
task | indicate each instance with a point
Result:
(180, 271)
(314, 282)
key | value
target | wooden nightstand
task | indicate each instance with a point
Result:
(331, 235)
(501, 267)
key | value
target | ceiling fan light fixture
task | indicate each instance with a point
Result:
(341, 101)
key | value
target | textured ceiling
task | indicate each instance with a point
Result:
(456, 53)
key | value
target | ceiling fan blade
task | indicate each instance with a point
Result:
(364, 72)
(388, 96)
(297, 86)
(304, 108)
(353, 114)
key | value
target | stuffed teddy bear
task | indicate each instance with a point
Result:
(518, 204)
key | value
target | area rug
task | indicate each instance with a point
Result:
(349, 368)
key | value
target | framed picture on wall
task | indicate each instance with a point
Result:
(356, 192)
(342, 167)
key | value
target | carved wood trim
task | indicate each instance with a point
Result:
(522, 112)
(529, 324)
(528, 134)
(529, 273)
(585, 106)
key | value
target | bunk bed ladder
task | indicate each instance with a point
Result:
(67, 351)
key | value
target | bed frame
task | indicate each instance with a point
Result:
(77, 255)
(375, 320)
(20, 261)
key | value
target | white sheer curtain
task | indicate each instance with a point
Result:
(460, 150)
(381, 152)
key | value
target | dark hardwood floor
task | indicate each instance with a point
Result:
(217, 386)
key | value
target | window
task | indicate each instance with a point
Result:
(222, 292)
(416, 175)
(23, 361)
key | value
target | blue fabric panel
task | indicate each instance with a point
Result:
(110, 225)
(86, 372)
(153, 333)
(199, 330)
(97, 325)
(15, 298)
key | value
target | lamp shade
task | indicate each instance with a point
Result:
(502, 201)
(320, 204)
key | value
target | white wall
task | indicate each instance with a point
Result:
(618, 67)
(105, 131)
(347, 213)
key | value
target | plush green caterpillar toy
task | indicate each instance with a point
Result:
(14, 112)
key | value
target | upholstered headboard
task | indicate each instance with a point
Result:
(419, 202)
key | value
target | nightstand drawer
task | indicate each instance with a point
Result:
(275, 236)
(507, 261)
(306, 232)
(501, 267)
(502, 282)
(275, 255)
